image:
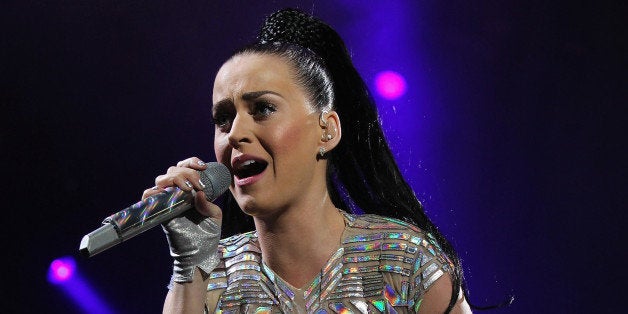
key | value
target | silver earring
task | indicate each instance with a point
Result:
(329, 137)
(321, 120)
(321, 151)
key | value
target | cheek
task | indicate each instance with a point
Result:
(220, 149)
(294, 138)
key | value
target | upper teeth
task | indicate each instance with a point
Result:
(248, 162)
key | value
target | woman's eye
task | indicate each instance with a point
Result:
(222, 121)
(262, 109)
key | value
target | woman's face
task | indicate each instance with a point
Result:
(267, 133)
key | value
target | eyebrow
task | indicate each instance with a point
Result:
(253, 95)
(246, 96)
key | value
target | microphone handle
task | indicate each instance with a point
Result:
(136, 219)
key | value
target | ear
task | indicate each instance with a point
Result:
(331, 130)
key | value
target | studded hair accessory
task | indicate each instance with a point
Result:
(296, 27)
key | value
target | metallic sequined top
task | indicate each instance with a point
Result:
(382, 266)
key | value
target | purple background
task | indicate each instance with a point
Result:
(510, 133)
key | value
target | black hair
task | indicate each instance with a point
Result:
(362, 174)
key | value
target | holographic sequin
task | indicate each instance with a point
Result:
(321, 311)
(404, 292)
(238, 244)
(218, 285)
(426, 259)
(286, 290)
(431, 250)
(436, 245)
(269, 272)
(417, 263)
(390, 309)
(391, 295)
(312, 286)
(364, 238)
(416, 240)
(361, 258)
(240, 267)
(395, 269)
(364, 247)
(331, 286)
(269, 290)
(246, 248)
(392, 257)
(332, 274)
(238, 277)
(411, 249)
(362, 269)
(431, 280)
(417, 305)
(346, 295)
(351, 288)
(379, 305)
(233, 239)
(394, 246)
(244, 257)
(232, 297)
(429, 270)
(378, 236)
(360, 305)
(217, 274)
(339, 308)
(371, 294)
(263, 310)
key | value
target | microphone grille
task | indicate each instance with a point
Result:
(216, 178)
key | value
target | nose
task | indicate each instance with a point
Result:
(240, 131)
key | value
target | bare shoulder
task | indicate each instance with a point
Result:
(436, 299)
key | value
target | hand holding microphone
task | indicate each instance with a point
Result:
(192, 234)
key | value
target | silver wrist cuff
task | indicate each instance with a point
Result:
(193, 241)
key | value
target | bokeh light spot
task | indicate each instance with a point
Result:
(61, 269)
(390, 85)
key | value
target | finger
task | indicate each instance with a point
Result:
(173, 173)
(164, 180)
(151, 191)
(207, 208)
(193, 163)
(183, 183)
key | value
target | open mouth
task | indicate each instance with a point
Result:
(249, 168)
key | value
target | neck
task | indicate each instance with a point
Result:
(297, 242)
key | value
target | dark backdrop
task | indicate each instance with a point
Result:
(515, 142)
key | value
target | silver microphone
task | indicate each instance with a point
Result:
(154, 210)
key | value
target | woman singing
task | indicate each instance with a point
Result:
(336, 228)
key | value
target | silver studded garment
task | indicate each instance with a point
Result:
(382, 266)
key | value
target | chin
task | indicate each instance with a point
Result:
(254, 208)
(247, 204)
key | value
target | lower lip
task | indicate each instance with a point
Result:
(248, 180)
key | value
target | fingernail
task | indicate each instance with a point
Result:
(188, 184)
(200, 182)
(155, 188)
(200, 163)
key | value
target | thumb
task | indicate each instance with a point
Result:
(207, 208)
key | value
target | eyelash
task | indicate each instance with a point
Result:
(260, 110)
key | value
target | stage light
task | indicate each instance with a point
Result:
(61, 269)
(64, 275)
(390, 85)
